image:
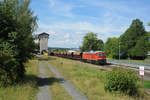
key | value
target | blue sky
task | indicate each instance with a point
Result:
(67, 21)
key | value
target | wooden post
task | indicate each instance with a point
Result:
(141, 81)
(141, 72)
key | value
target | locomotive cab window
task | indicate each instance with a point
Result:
(99, 54)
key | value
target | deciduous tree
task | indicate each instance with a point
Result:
(132, 39)
(17, 24)
(91, 42)
(111, 47)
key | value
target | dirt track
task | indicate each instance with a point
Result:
(44, 91)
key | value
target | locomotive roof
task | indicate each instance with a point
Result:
(93, 52)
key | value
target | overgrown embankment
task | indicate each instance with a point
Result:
(25, 89)
(90, 80)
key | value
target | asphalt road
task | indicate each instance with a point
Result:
(126, 63)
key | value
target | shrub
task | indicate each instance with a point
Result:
(123, 80)
(17, 23)
(8, 68)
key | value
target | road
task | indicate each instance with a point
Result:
(134, 66)
(126, 63)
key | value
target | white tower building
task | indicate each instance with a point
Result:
(43, 40)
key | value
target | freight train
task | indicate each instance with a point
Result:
(96, 57)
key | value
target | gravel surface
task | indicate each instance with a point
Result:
(44, 93)
(72, 91)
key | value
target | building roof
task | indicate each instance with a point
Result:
(43, 34)
(90, 52)
(74, 50)
(148, 54)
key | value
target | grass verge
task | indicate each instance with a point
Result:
(146, 84)
(25, 90)
(88, 79)
(132, 61)
(58, 92)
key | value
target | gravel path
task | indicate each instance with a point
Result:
(72, 91)
(44, 93)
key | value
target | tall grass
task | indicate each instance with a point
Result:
(88, 79)
(25, 90)
(146, 84)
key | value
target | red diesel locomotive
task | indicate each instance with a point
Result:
(97, 57)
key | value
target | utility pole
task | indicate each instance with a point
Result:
(129, 57)
(119, 51)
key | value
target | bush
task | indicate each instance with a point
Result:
(8, 66)
(123, 80)
(17, 23)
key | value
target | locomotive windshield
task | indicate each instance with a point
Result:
(99, 54)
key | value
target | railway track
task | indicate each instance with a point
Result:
(110, 64)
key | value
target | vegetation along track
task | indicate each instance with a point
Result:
(109, 65)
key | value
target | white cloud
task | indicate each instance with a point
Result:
(67, 36)
(52, 3)
(121, 6)
(147, 28)
(79, 33)
(75, 42)
(80, 27)
(67, 40)
(114, 6)
(61, 8)
(45, 28)
(112, 20)
(51, 32)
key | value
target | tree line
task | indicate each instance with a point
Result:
(17, 23)
(133, 43)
